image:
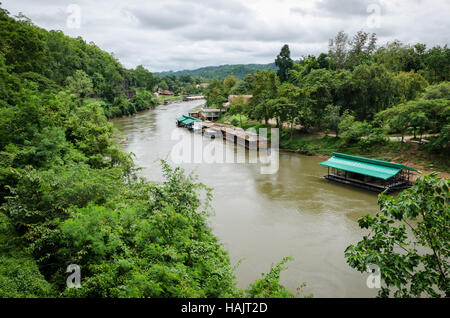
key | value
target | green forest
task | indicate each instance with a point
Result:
(362, 99)
(220, 72)
(352, 98)
(69, 195)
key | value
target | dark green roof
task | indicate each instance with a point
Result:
(365, 166)
(187, 120)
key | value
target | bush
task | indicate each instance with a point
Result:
(269, 284)
(19, 273)
(352, 131)
(376, 137)
(441, 143)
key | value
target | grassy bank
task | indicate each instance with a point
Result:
(411, 154)
(161, 99)
(317, 143)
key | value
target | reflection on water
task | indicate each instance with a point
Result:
(262, 218)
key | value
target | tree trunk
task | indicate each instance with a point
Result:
(292, 129)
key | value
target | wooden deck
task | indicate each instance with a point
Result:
(393, 187)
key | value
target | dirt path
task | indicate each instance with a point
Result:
(406, 159)
(409, 138)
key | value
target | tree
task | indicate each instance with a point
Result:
(320, 85)
(268, 285)
(228, 83)
(140, 77)
(410, 85)
(323, 61)
(237, 107)
(409, 241)
(438, 91)
(419, 121)
(163, 85)
(421, 113)
(79, 84)
(284, 63)
(264, 88)
(333, 118)
(368, 89)
(438, 68)
(288, 105)
(240, 88)
(353, 130)
(338, 50)
(215, 94)
(400, 122)
(359, 51)
(441, 143)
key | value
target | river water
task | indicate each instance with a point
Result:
(261, 218)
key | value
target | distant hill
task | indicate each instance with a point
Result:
(222, 71)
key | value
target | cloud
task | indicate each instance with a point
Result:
(344, 8)
(183, 34)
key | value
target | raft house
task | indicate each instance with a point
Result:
(186, 121)
(192, 98)
(213, 130)
(369, 174)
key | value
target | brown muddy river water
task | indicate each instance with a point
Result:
(261, 218)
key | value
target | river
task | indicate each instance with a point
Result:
(261, 218)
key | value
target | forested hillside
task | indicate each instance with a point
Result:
(68, 195)
(54, 62)
(360, 92)
(222, 71)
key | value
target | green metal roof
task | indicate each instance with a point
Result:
(187, 120)
(365, 166)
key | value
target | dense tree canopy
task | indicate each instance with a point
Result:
(69, 195)
(409, 241)
(54, 60)
(284, 63)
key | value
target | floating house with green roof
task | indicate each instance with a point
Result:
(369, 174)
(186, 121)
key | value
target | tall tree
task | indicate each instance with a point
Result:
(284, 63)
(333, 118)
(228, 83)
(337, 50)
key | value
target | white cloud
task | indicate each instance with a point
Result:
(180, 34)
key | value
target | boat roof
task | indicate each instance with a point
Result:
(365, 166)
(187, 120)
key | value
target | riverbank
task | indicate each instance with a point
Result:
(407, 153)
(256, 214)
(161, 99)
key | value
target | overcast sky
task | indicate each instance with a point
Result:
(187, 34)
